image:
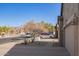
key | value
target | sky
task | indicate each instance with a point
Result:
(16, 14)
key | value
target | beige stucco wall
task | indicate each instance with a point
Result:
(78, 39)
(69, 39)
(67, 11)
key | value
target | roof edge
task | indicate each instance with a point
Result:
(61, 9)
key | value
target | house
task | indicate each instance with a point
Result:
(68, 23)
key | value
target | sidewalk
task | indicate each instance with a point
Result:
(4, 48)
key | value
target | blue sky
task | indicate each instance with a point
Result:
(17, 14)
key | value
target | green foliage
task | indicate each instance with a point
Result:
(4, 29)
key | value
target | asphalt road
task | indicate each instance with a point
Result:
(16, 38)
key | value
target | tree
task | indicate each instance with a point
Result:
(4, 29)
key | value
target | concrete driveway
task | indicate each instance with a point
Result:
(31, 50)
(44, 48)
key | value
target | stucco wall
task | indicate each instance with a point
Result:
(69, 39)
(78, 39)
(71, 43)
(68, 11)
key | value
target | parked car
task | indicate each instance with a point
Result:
(51, 36)
(29, 37)
(26, 35)
(45, 35)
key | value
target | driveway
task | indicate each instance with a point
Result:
(31, 50)
(41, 48)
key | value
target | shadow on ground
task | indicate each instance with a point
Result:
(37, 50)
